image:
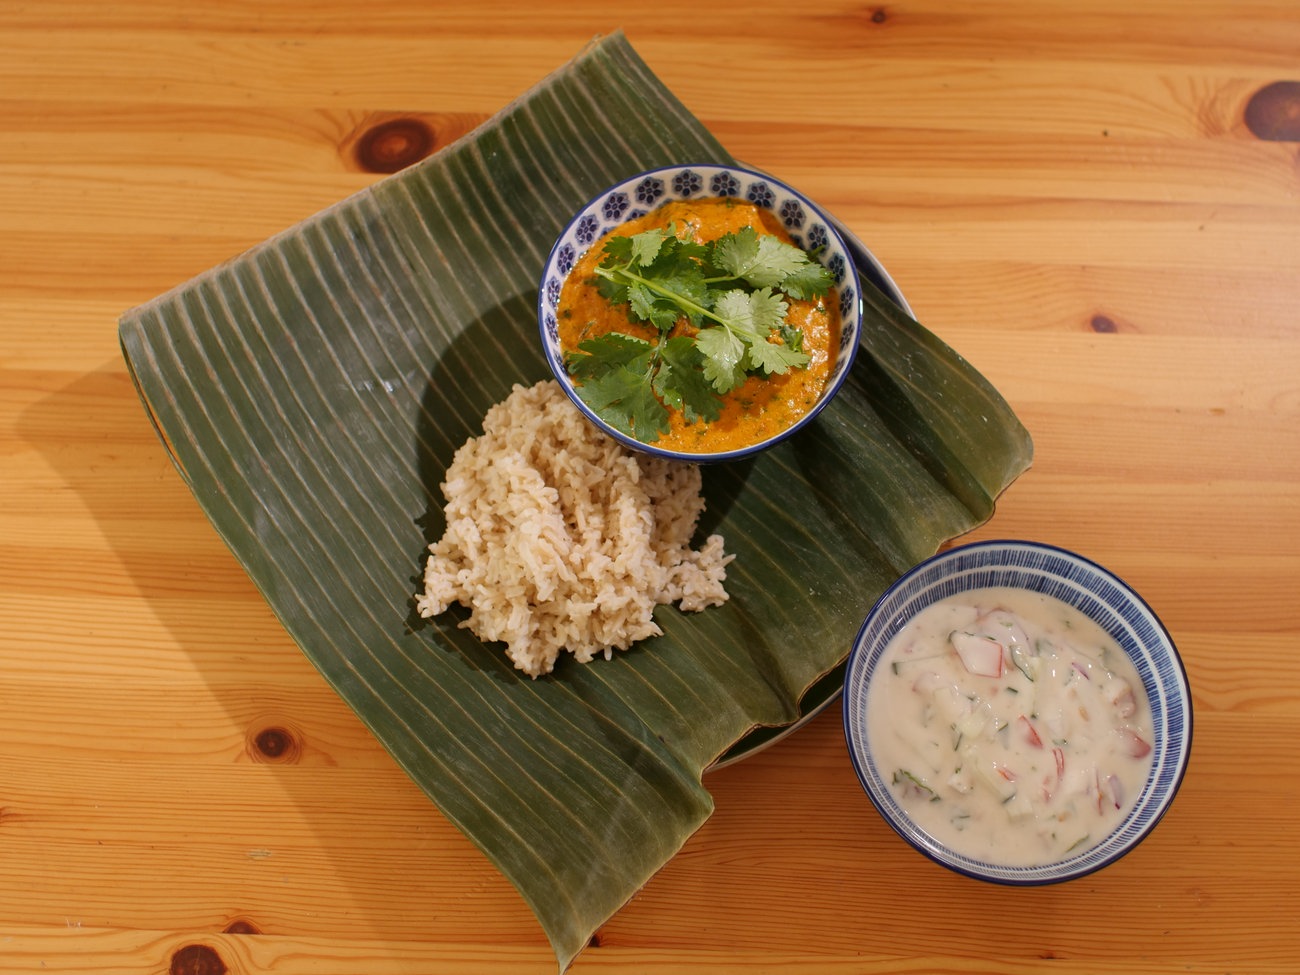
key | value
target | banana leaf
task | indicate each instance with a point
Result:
(312, 391)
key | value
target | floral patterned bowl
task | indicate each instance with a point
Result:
(808, 226)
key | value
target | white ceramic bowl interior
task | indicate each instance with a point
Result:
(807, 224)
(1079, 583)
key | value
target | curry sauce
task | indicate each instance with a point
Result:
(763, 405)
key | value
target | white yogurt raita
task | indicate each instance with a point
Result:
(1013, 729)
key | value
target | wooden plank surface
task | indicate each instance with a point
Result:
(1076, 196)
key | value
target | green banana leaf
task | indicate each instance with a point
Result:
(313, 390)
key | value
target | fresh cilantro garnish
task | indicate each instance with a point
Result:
(732, 292)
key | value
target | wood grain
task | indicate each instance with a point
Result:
(1069, 194)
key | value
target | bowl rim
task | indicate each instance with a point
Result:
(1086, 861)
(848, 351)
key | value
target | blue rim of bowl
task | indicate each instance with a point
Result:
(1151, 804)
(833, 230)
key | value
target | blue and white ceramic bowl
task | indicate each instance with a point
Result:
(634, 197)
(1086, 587)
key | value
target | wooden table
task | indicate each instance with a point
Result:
(1096, 202)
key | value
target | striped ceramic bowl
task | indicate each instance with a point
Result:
(1099, 595)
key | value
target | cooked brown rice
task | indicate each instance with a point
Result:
(559, 538)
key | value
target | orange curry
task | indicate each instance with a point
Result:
(762, 406)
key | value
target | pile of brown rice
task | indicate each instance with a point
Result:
(559, 538)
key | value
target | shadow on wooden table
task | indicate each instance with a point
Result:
(258, 802)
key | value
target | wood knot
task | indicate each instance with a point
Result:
(241, 926)
(394, 145)
(274, 745)
(197, 960)
(1273, 112)
(879, 15)
(385, 142)
(1103, 324)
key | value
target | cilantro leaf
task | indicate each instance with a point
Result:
(750, 321)
(616, 382)
(792, 337)
(626, 401)
(735, 253)
(606, 352)
(812, 280)
(735, 311)
(618, 250)
(753, 315)
(724, 357)
(615, 292)
(646, 245)
(761, 261)
(681, 382)
(647, 306)
(775, 357)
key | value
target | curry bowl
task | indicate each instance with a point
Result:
(1017, 713)
(799, 394)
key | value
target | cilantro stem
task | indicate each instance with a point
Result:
(612, 274)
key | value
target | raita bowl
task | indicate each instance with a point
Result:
(809, 227)
(1082, 585)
